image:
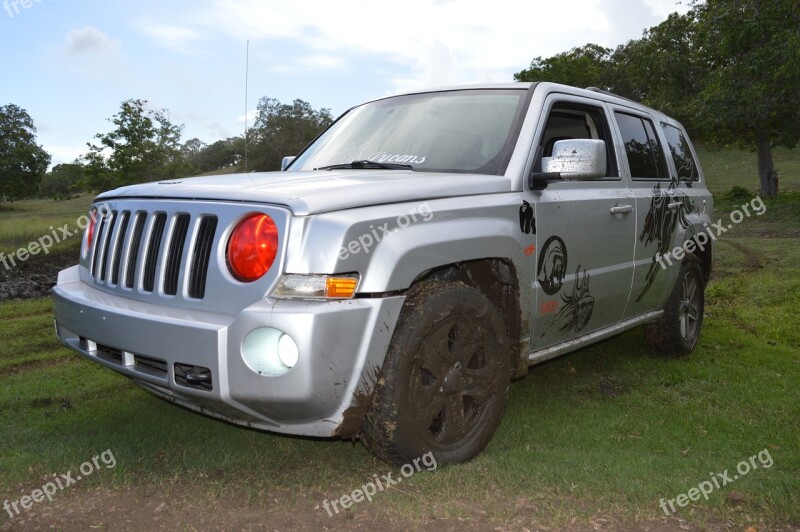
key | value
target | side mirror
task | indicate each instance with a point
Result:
(286, 162)
(577, 159)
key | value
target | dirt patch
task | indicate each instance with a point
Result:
(35, 277)
(141, 508)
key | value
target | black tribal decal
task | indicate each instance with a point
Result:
(660, 224)
(527, 223)
(552, 266)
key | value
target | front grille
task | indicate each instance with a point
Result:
(147, 251)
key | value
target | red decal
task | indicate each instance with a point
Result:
(548, 307)
(530, 250)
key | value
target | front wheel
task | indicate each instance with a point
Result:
(678, 330)
(445, 378)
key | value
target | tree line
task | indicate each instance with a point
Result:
(144, 145)
(729, 70)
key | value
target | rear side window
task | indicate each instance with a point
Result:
(681, 154)
(645, 155)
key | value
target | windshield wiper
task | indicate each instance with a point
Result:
(366, 165)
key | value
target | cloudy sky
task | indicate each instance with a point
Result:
(70, 63)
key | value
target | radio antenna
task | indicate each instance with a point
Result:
(246, 79)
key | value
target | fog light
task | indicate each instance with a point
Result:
(269, 352)
(288, 351)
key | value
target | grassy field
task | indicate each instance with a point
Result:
(606, 431)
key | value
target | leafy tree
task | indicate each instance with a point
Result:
(62, 181)
(751, 49)
(222, 154)
(22, 161)
(283, 129)
(192, 150)
(661, 69)
(144, 146)
(580, 67)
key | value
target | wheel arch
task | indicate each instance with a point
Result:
(497, 279)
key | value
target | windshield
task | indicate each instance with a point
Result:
(458, 131)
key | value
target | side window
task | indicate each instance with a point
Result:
(681, 154)
(645, 156)
(568, 121)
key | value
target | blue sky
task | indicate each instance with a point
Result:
(70, 63)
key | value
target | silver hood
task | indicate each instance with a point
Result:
(322, 191)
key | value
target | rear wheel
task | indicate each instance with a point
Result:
(678, 330)
(445, 379)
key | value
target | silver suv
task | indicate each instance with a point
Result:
(421, 253)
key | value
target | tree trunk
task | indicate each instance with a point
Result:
(767, 174)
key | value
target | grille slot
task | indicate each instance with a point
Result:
(201, 257)
(109, 232)
(152, 366)
(136, 240)
(109, 354)
(153, 249)
(175, 253)
(118, 245)
(98, 244)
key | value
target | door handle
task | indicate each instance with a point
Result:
(622, 209)
(674, 206)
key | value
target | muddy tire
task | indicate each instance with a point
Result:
(445, 379)
(678, 330)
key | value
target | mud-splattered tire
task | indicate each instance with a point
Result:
(445, 380)
(678, 330)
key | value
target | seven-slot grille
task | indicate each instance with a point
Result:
(145, 251)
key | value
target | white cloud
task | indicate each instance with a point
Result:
(89, 40)
(62, 154)
(663, 8)
(322, 62)
(176, 38)
(438, 41)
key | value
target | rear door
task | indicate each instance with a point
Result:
(662, 170)
(584, 231)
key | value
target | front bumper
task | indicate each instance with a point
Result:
(342, 346)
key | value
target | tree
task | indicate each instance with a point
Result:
(145, 146)
(583, 66)
(62, 181)
(192, 150)
(283, 129)
(22, 161)
(751, 50)
(662, 69)
(222, 154)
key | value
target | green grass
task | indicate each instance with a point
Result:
(606, 431)
(727, 168)
(26, 221)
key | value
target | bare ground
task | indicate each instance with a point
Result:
(140, 508)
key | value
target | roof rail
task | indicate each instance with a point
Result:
(609, 93)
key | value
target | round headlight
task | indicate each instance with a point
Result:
(252, 247)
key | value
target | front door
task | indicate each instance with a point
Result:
(584, 232)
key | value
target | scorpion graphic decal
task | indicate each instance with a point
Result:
(578, 306)
(661, 222)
